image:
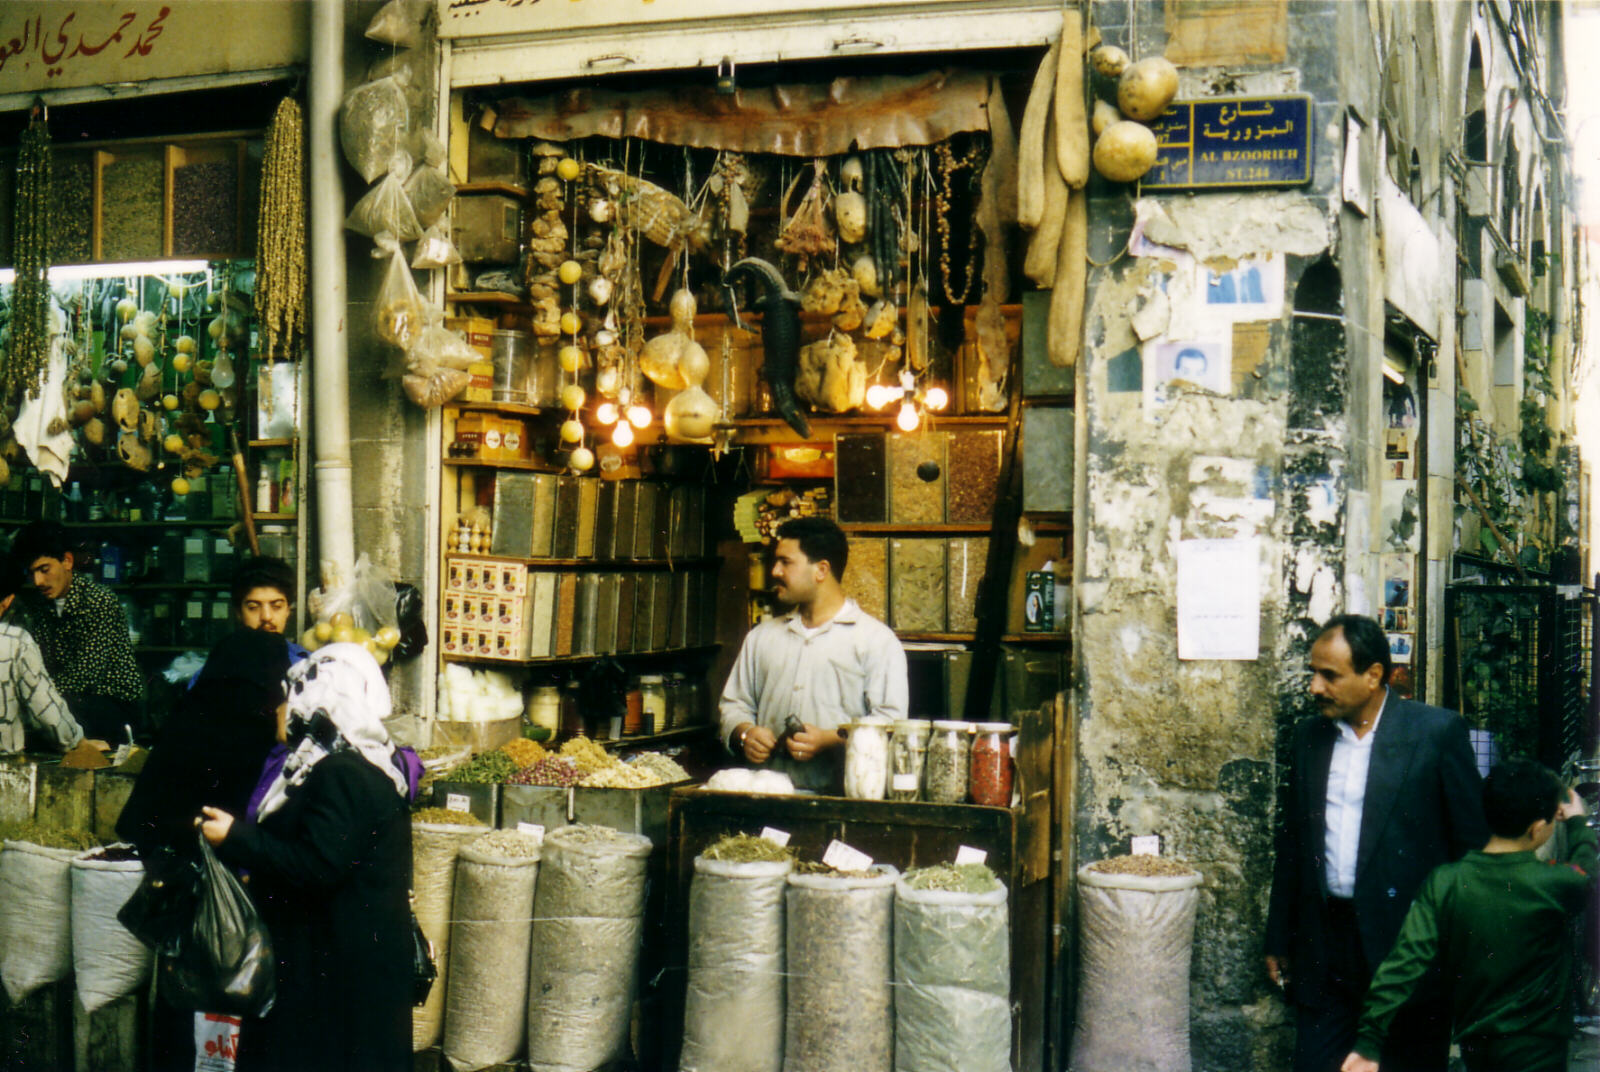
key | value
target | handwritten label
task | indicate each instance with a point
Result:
(1147, 845)
(966, 854)
(779, 838)
(531, 829)
(458, 802)
(842, 857)
(903, 783)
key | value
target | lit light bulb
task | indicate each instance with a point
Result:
(908, 418)
(622, 435)
(606, 413)
(639, 416)
(936, 398)
(878, 396)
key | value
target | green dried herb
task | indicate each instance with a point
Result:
(49, 837)
(491, 768)
(446, 817)
(954, 878)
(747, 849)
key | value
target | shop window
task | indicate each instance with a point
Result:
(1474, 131)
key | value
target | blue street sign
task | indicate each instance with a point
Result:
(1232, 142)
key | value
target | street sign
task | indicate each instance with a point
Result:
(1231, 143)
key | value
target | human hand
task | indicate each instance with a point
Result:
(811, 742)
(1278, 970)
(1571, 807)
(1357, 1063)
(758, 743)
(216, 825)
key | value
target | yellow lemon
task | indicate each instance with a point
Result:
(324, 631)
(581, 459)
(180, 486)
(169, 401)
(184, 344)
(342, 620)
(570, 323)
(346, 635)
(572, 396)
(571, 431)
(568, 168)
(309, 641)
(210, 400)
(571, 358)
(173, 443)
(570, 271)
(181, 361)
(388, 636)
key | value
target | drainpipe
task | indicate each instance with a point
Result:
(330, 381)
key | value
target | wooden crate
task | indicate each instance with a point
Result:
(147, 241)
(176, 158)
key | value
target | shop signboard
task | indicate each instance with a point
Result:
(63, 44)
(1232, 143)
(485, 18)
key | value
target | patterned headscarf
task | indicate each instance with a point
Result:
(337, 701)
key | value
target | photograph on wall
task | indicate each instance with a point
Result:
(1203, 363)
(1397, 579)
(1250, 290)
(1400, 523)
(1402, 682)
(1397, 618)
(1399, 453)
(1400, 645)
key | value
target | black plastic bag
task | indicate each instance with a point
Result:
(423, 968)
(162, 908)
(408, 612)
(223, 962)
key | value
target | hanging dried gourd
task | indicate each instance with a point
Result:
(281, 236)
(30, 311)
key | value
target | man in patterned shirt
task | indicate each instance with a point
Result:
(32, 712)
(82, 632)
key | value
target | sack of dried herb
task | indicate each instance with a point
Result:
(35, 916)
(108, 961)
(841, 999)
(434, 850)
(733, 1010)
(487, 1000)
(952, 971)
(588, 914)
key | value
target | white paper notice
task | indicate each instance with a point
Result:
(842, 857)
(966, 854)
(532, 830)
(778, 837)
(1219, 599)
(1147, 845)
(458, 802)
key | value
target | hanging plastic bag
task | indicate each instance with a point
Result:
(375, 123)
(435, 249)
(386, 207)
(408, 617)
(368, 597)
(398, 313)
(439, 344)
(224, 962)
(436, 365)
(429, 190)
(399, 23)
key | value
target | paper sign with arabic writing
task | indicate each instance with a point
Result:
(1233, 142)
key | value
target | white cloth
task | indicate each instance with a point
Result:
(48, 452)
(341, 682)
(850, 667)
(1347, 793)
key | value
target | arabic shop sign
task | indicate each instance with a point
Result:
(1234, 142)
(54, 44)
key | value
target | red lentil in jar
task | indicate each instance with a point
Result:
(991, 764)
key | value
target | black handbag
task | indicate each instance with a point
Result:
(423, 970)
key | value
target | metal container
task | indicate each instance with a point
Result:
(513, 355)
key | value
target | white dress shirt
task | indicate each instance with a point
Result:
(1347, 793)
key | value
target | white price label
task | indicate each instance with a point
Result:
(966, 854)
(534, 829)
(1147, 845)
(903, 783)
(779, 838)
(458, 802)
(842, 857)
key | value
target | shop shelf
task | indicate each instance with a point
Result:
(570, 660)
(505, 188)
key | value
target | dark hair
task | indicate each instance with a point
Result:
(1518, 793)
(262, 573)
(1368, 642)
(820, 540)
(41, 539)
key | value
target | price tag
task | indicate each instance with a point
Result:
(533, 829)
(842, 857)
(1147, 845)
(903, 783)
(779, 838)
(966, 854)
(458, 802)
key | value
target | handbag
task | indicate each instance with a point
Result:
(423, 969)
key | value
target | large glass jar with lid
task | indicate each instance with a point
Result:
(991, 766)
(866, 759)
(944, 776)
(544, 710)
(908, 747)
(653, 701)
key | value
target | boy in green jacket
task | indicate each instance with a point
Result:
(1496, 922)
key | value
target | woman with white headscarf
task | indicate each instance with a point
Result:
(329, 862)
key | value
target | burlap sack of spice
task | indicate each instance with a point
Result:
(434, 850)
(109, 962)
(952, 970)
(733, 1008)
(35, 917)
(841, 997)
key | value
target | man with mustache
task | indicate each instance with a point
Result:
(1380, 791)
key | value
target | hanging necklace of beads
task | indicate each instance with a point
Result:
(949, 164)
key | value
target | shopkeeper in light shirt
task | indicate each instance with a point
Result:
(800, 676)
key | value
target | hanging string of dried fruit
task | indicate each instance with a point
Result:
(30, 312)
(281, 239)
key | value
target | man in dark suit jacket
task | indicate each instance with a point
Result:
(1381, 791)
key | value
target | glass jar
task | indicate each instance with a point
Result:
(675, 698)
(653, 703)
(991, 764)
(544, 709)
(908, 747)
(633, 712)
(571, 711)
(866, 759)
(944, 774)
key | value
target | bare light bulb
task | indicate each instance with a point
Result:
(622, 434)
(639, 416)
(878, 396)
(936, 398)
(908, 418)
(606, 413)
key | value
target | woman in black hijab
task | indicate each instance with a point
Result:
(209, 753)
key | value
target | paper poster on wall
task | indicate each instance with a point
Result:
(1219, 598)
(1251, 290)
(1399, 524)
(1204, 363)
(1400, 453)
(1400, 646)
(1397, 579)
